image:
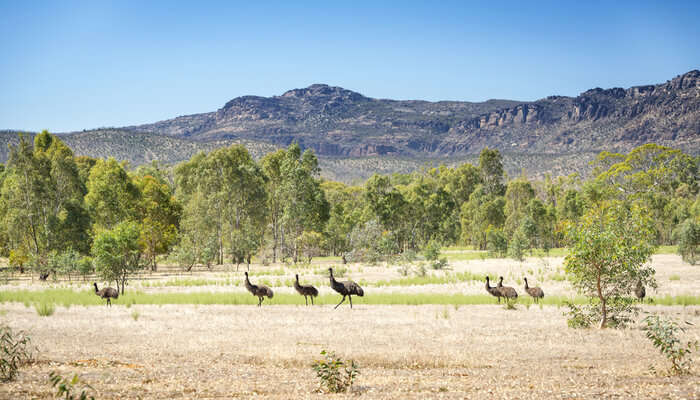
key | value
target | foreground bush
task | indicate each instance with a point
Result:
(663, 334)
(14, 350)
(336, 374)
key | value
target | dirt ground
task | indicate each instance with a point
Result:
(220, 352)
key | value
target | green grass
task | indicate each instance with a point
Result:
(430, 279)
(45, 309)
(666, 250)
(186, 282)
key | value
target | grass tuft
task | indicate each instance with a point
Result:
(44, 309)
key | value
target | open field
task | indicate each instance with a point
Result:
(403, 351)
(197, 335)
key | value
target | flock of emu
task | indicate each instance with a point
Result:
(508, 293)
(345, 288)
(350, 288)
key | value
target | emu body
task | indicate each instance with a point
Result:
(305, 290)
(506, 291)
(493, 291)
(345, 288)
(535, 292)
(261, 291)
(107, 293)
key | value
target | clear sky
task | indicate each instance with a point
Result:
(72, 65)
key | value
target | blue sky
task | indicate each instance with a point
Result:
(71, 65)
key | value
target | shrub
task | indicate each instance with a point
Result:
(517, 246)
(64, 387)
(577, 317)
(44, 309)
(663, 334)
(336, 375)
(439, 264)
(15, 351)
(496, 242)
(688, 237)
(431, 252)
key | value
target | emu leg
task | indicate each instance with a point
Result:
(260, 299)
(341, 302)
(312, 300)
(306, 300)
(109, 302)
(350, 297)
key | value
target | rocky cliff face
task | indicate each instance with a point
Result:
(339, 122)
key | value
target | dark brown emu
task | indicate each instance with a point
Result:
(346, 288)
(535, 292)
(306, 291)
(493, 291)
(640, 291)
(506, 291)
(107, 293)
(258, 290)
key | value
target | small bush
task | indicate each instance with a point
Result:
(15, 351)
(44, 309)
(135, 315)
(439, 264)
(577, 318)
(663, 334)
(431, 252)
(674, 277)
(65, 388)
(336, 375)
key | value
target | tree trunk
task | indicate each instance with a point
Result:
(603, 309)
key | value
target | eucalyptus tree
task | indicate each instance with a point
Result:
(305, 207)
(159, 216)
(41, 200)
(111, 195)
(611, 247)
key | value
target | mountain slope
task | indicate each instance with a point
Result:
(339, 122)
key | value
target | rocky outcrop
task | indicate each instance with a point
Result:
(339, 122)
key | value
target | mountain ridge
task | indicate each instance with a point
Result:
(339, 122)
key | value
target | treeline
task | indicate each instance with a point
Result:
(67, 214)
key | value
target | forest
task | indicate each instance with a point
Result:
(67, 214)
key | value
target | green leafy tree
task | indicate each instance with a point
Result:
(478, 214)
(159, 216)
(491, 171)
(111, 196)
(118, 253)
(610, 251)
(305, 204)
(687, 235)
(519, 193)
(41, 200)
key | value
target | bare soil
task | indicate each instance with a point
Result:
(403, 351)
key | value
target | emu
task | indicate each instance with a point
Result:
(506, 291)
(535, 292)
(107, 293)
(258, 290)
(305, 290)
(493, 291)
(640, 291)
(346, 288)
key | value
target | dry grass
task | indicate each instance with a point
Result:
(403, 351)
(429, 351)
